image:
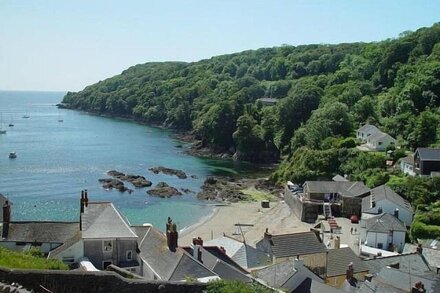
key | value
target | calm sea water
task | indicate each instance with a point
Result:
(56, 160)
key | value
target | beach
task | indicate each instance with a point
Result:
(278, 219)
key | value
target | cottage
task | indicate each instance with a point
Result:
(379, 141)
(365, 131)
(407, 165)
(341, 260)
(307, 246)
(427, 162)
(384, 200)
(242, 253)
(383, 232)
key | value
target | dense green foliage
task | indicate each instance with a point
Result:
(426, 223)
(33, 259)
(323, 91)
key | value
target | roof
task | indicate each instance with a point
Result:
(345, 188)
(427, 154)
(44, 232)
(339, 259)
(285, 245)
(243, 254)
(432, 256)
(102, 220)
(408, 159)
(413, 262)
(402, 280)
(380, 135)
(385, 192)
(169, 265)
(383, 223)
(368, 128)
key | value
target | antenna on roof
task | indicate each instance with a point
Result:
(241, 230)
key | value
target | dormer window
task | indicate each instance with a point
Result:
(107, 245)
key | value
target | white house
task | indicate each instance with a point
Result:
(407, 165)
(379, 141)
(383, 199)
(383, 232)
(365, 131)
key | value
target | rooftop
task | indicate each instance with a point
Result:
(383, 223)
(385, 192)
(379, 135)
(102, 220)
(345, 188)
(427, 154)
(339, 259)
(368, 128)
(285, 245)
(413, 262)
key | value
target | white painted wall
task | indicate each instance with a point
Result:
(407, 168)
(76, 251)
(389, 207)
(399, 240)
(374, 238)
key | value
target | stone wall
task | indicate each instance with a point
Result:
(79, 282)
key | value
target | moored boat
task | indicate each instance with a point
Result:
(12, 155)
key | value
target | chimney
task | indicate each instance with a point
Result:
(268, 236)
(337, 242)
(86, 199)
(396, 213)
(224, 252)
(418, 287)
(349, 273)
(368, 277)
(82, 202)
(172, 235)
(6, 218)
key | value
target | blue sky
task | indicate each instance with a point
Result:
(67, 45)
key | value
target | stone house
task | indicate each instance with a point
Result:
(383, 232)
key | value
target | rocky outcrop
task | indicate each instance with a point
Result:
(111, 183)
(136, 180)
(168, 171)
(163, 190)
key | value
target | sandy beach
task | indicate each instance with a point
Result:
(278, 219)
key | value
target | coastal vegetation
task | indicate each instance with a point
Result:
(318, 96)
(32, 259)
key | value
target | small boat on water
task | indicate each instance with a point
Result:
(26, 116)
(11, 124)
(12, 155)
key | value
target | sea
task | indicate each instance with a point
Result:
(56, 160)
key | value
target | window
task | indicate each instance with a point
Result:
(380, 245)
(107, 245)
(129, 255)
(105, 264)
(380, 143)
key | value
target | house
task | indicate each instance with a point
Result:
(292, 276)
(383, 232)
(24, 235)
(384, 200)
(427, 161)
(341, 260)
(379, 141)
(365, 131)
(242, 253)
(407, 165)
(306, 246)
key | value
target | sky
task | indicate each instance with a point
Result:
(66, 45)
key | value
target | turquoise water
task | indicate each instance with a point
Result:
(56, 160)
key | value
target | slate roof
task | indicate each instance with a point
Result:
(47, 232)
(408, 159)
(169, 265)
(102, 220)
(379, 135)
(383, 223)
(432, 256)
(338, 260)
(243, 254)
(396, 279)
(345, 188)
(385, 192)
(368, 128)
(406, 262)
(286, 245)
(427, 154)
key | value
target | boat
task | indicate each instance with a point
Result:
(59, 117)
(11, 124)
(12, 155)
(26, 116)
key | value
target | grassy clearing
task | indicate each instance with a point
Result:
(20, 260)
(257, 195)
